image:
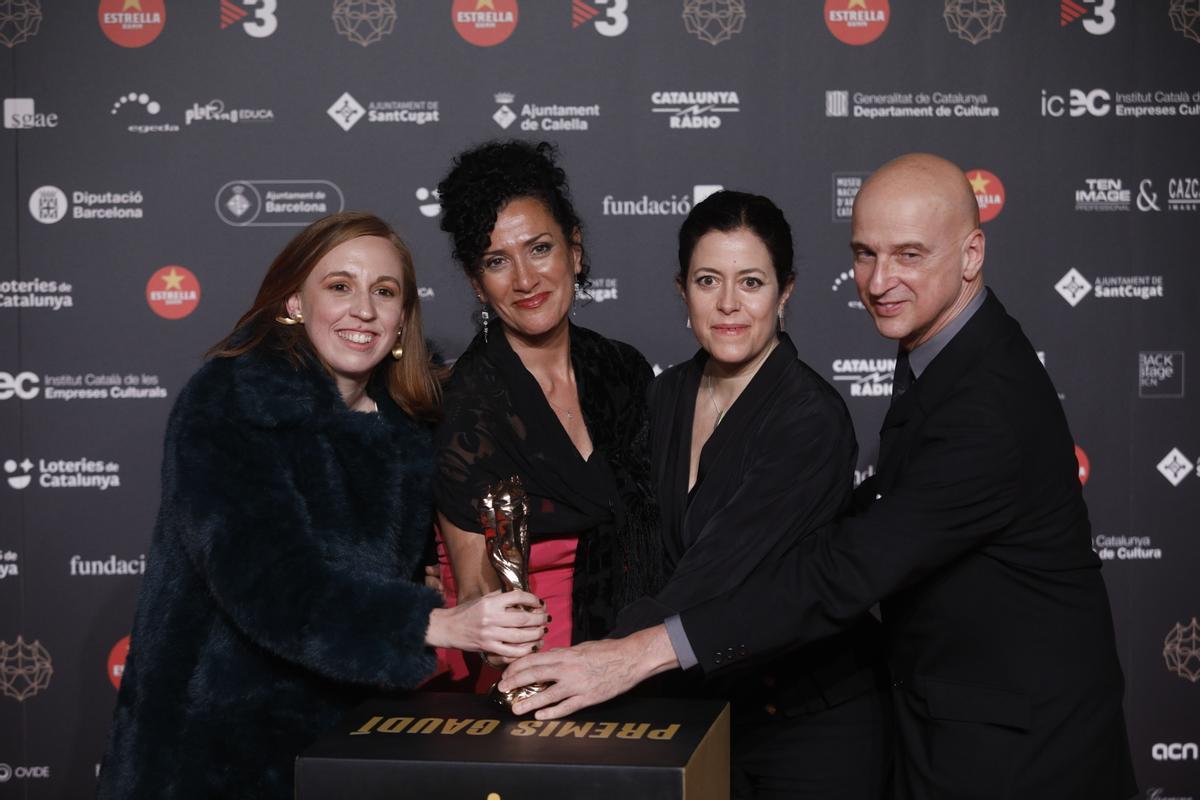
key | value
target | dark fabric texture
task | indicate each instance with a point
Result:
(778, 467)
(975, 535)
(279, 591)
(498, 424)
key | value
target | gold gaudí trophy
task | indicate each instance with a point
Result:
(503, 514)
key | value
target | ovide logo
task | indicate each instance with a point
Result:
(484, 23)
(1085, 466)
(132, 23)
(116, 661)
(173, 292)
(857, 21)
(989, 193)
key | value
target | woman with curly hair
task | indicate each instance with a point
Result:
(538, 397)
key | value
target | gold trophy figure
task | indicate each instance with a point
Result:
(502, 513)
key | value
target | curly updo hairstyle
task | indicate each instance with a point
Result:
(486, 178)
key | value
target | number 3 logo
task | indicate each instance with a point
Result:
(1105, 18)
(616, 21)
(264, 16)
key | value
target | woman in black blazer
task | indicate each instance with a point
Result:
(751, 451)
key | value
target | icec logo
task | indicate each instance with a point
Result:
(1095, 103)
(24, 385)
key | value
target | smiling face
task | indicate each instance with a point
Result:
(733, 297)
(352, 308)
(527, 274)
(918, 250)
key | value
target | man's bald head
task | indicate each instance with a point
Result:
(918, 249)
(934, 177)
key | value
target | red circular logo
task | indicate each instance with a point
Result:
(857, 21)
(989, 193)
(116, 661)
(132, 23)
(1085, 466)
(484, 23)
(173, 292)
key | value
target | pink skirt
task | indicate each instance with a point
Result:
(551, 565)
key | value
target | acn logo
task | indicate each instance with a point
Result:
(24, 385)
(1176, 751)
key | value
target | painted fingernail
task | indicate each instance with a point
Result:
(549, 618)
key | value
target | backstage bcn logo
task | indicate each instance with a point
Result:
(615, 19)
(974, 21)
(989, 193)
(694, 110)
(25, 668)
(132, 23)
(484, 23)
(262, 21)
(551, 117)
(1161, 374)
(1074, 287)
(173, 292)
(364, 22)
(1099, 16)
(857, 22)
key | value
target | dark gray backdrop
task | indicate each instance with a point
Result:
(1087, 186)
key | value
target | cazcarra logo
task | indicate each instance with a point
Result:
(646, 206)
(1175, 751)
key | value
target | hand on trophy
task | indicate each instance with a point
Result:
(509, 624)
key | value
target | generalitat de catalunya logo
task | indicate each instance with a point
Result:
(484, 23)
(132, 23)
(173, 292)
(857, 21)
(989, 193)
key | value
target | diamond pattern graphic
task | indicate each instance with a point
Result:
(975, 20)
(1175, 466)
(1073, 287)
(25, 669)
(364, 22)
(1181, 651)
(19, 19)
(346, 111)
(714, 21)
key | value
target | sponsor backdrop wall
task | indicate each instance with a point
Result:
(158, 153)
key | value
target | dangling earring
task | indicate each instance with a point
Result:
(293, 319)
(574, 297)
(398, 350)
(688, 323)
(781, 319)
(483, 315)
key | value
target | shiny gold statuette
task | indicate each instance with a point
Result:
(502, 513)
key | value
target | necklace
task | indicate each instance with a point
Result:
(713, 397)
(570, 414)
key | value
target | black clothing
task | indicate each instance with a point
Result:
(976, 536)
(498, 424)
(778, 466)
(277, 594)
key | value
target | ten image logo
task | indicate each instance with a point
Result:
(857, 21)
(484, 23)
(116, 661)
(714, 21)
(19, 20)
(1185, 18)
(1102, 18)
(25, 669)
(173, 292)
(364, 22)
(615, 20)
(48, 204)
(1181, 651)
(261, 25)
(1085, 466)
(974, 20)
(989, 193)
(132, 23)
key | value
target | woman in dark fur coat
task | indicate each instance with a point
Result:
(285, 578)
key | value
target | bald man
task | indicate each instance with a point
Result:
(973, 536)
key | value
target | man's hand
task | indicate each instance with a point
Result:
(590, 672)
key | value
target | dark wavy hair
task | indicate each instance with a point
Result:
(486, 178)
(728, 211)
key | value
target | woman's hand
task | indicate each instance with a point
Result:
(433, 579)
(495, 623)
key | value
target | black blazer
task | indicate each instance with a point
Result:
(975, 536)
(779, 466)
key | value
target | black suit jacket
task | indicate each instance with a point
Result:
(975, 537)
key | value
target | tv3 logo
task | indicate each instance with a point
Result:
(1104, 18)
(260, 26)
(616, 18)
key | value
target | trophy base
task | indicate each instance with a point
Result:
(507, 699)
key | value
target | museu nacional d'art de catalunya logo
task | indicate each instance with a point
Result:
(132, 23)
(484, 23)
(857, 21)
